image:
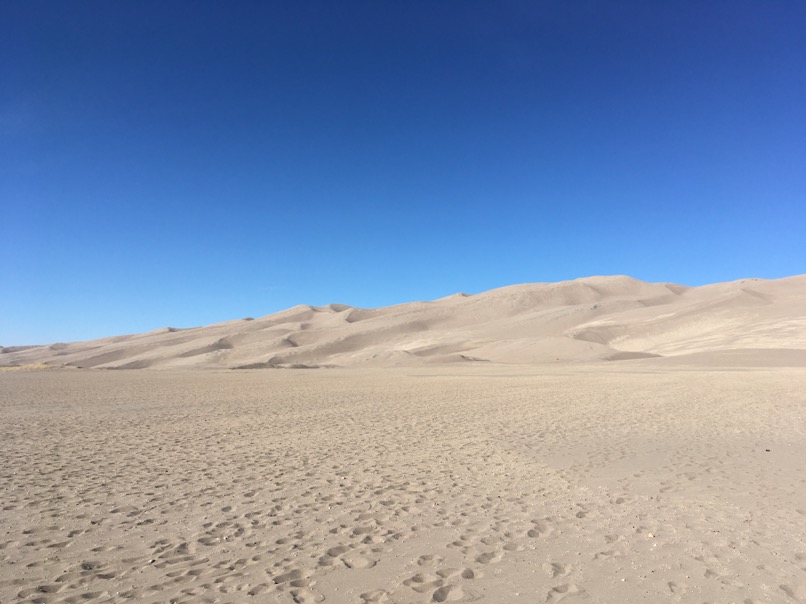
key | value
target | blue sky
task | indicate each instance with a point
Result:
(182, 163)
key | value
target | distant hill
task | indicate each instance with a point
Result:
(595, 319)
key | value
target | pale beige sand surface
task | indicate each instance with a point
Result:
(595, 319)
(649, 483)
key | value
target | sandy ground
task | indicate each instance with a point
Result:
(624, 482)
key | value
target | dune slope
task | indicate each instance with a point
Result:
(751, 321)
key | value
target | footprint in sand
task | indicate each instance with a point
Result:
(423, 582)
(429, 560)
(489, 557)
(676, 588)
(796, 592)
(542, 528)
(465, 573)
(292, 575)
(562, 591)
(259, 589)
(354, 561)
(557, 569)
(448, 593)
(305, 596)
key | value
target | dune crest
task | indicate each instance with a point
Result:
(594, 319)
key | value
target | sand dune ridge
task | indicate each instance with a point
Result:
(586, 320)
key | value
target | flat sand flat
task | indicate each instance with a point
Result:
(639, 481)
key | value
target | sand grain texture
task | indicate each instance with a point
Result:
(464, 483)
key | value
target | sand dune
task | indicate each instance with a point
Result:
(586, 320)
(595, 441)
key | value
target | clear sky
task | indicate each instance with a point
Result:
(183, 163)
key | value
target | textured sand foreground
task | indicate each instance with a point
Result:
(465, 483)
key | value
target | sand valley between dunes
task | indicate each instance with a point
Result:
(636, 481)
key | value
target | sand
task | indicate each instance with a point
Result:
(636, 481)
(590, 320)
